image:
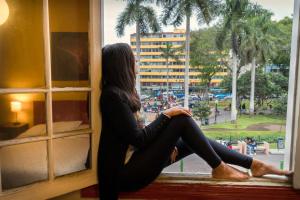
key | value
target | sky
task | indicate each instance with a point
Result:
(113, 8)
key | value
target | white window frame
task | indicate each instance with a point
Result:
(293, 117)
(56, 186)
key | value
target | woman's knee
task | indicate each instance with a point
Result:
(181, 119)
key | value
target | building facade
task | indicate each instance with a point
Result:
(153, 67)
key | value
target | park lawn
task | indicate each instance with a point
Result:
(246, 120)
(241, 135)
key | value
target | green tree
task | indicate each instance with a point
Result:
(201, 110)
(271, 85)
(234, 13)
(258, 43)
(144, 18)
(281, 57)
(205, 56)
(174, 12)
(280, 105)
(169, 52)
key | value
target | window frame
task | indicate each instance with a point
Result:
(294, 97)
(56, 186)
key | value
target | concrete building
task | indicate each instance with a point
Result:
(153, 69)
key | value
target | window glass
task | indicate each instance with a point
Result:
(69, 22)
(253, 128)
(70, 111)
(23, 164)
(22, 46)
(71, 154)
(22, 115)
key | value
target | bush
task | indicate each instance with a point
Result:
(201, 110)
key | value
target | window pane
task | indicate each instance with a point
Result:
(69, 42)
(22, 46)
(22, 115)
(70, 111)
(23, 164)
(71, 154)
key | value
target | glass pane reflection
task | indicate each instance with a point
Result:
(23, 164)
(69, 22)
(70, 111)
(71, 154)
(22, 46)
(22, 115)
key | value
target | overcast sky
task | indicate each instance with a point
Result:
(112, 9)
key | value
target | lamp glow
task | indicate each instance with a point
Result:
(15, 106)
(4, 11)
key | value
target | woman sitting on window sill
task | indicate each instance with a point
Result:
(131, 156)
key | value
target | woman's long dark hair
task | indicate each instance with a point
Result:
(118, 70)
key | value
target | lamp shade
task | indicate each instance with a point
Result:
(4, 11)
(15, 106)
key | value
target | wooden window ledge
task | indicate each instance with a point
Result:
(202, 186)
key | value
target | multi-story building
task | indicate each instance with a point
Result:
(153, 68)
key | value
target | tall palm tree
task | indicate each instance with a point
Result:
(145, 19)
(234, 14)
(169, 52)
(174, 12)
(259, 44)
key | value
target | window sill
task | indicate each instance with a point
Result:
(202, 186)
(200, 178)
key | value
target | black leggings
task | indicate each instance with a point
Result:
(146, 164)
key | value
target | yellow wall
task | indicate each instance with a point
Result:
(154, 46)
(22, 50)
(170, 73)
(146, 80)
(159, 39)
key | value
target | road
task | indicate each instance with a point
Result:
(193, 163)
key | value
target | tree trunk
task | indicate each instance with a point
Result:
(234, 88)
(252, 93)
(138, 50)
(167, 80)
(187, 63)
(206, 93)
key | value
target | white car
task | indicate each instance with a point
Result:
(143, 97)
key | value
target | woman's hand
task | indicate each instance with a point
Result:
(171, 112)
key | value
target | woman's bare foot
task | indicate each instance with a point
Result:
(259, 168)
(224, 171)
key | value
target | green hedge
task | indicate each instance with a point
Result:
(260, 136)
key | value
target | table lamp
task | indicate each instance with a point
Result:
(16, 106)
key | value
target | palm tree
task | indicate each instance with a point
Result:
(169, 52)
(234, 14)
(174, 12)
(259, 43)
(144, 18)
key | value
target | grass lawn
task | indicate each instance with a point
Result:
(246, 120)
(238, 131)
(269, 136)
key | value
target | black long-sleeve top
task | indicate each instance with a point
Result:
(119, 130)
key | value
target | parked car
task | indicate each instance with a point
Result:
(144, 97)
(228, 97)
(222, 96)
(194, 97)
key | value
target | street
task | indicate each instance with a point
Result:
(194, 163)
